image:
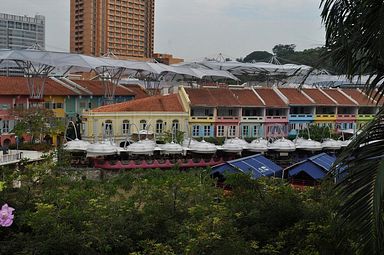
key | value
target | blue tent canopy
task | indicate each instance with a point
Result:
(317, 166)
(256, 165)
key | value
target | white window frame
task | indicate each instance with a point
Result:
(125, 127)
(207, 131)
(220, 131)
(196, 131)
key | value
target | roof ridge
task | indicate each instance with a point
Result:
(325, 94)
(261, 99)
(349, 97)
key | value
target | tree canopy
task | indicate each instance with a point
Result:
(163, 212)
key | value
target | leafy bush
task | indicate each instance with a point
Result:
(163, 212)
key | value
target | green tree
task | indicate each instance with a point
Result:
(354, 39)
(281, 50)
(37, 122)
(258, 56)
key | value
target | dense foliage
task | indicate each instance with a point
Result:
(354, 42)
(164, 212)
(287, 54)
(37, 122)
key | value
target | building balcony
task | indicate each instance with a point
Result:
(365, 117)
(325, 117)
(249, 119)
(342, 117)
(301, 117)
(276, 119)
(201, 119)
(225, 119)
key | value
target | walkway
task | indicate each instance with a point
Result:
(15, 156)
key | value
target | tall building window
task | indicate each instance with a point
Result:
(195, 131)
(143, 124)
(108, 127)
(159, 127)
(207, 131)
(220, 131)
(126, 127)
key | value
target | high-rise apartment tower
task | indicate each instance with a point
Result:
(122, 27)
(20, 32)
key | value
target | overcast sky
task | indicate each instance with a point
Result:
(194, 29)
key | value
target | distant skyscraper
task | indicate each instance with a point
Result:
(122, 27)
(20, 32)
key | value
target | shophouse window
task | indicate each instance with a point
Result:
(175, 125)
(108, 127)
(195, 131)
(207, 130)
(232, 131)
(126, 127)
(159, 127)
(220, 131)
(143, 124)
(245, 131)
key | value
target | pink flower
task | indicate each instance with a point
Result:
(6, 216)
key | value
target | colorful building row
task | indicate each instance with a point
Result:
(65, 97)
(234, 112)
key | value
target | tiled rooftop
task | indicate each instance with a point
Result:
(137, 90)
(19, 86)
(339, 97)
(359, 97)
(97, 88)
(246, 97)
(319, 97)
(295, 96)
(211, 97)
(270, 97)
(169, 103)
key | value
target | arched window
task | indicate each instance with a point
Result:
(159, 126)
(175, 126)
(108, 127)
(126, 127)
(143, 124)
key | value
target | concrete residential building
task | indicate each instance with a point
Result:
(122, 27)
(20, 32)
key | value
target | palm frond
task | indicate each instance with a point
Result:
(360, 188)
(355, 39)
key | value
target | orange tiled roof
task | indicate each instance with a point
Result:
(211, 97)
(19, 86)
(270, 97)
(223, 97)
(97, 88)
(318, 97)
(137, 90)
(359, 97)
(169, 103)
(246, 97)
(339, 97)
(295, 96)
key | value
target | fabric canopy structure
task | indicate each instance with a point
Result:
(42, 64)
(82, 63)
(239, 68)
(256, 165)
(317, 167)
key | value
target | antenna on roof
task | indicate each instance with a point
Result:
(274, 60)
(110, 54)
(35, 46)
